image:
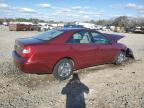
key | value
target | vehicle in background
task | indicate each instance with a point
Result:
(73, 26)
(98, 27)
(139, 30)
(5, 23)
(60, 51)
(106, 28)
(46, 27)
(86, 25)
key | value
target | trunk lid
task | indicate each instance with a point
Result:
(29, 41)
(114, 37)
(21, 43)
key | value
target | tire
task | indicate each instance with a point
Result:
(63, 69)
(121, 57)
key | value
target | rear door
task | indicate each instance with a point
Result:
(106, 51)
(82, 48)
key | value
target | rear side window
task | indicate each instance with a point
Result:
(98, 38)
(49, 34)
(80, 38)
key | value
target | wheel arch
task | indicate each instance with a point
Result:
(123, 50)
(74, 62)
(128, 52)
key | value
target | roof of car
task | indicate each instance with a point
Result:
(68, 29)
(72, 29)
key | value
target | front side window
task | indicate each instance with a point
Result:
(80, 37)
(98, 38)
(49, 34)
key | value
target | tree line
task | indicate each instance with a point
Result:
(122, 21)
(33, 20)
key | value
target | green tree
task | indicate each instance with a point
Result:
(121, 21)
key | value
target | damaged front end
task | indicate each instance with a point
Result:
(129, 53)
(115, 38)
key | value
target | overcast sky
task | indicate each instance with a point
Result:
(71, 10)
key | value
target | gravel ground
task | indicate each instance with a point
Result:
(105, 86)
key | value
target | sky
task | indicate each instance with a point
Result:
(71, 10)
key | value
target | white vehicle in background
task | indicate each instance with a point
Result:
(45, 27)
(137, 30)
(86, 25)
(105, 28)
(98, 27)
(112, 28)
(5, 23)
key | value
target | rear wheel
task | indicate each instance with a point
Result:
(63, 69)
(121, 57)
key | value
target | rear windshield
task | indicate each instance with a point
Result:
(49, 34)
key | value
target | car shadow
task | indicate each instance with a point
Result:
(74, 91)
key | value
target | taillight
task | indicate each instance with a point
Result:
(26, 52)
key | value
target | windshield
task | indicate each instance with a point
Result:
(48, 35)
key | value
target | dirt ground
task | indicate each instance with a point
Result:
(105, 86)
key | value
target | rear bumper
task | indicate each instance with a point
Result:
(18, 61)
(28, 66)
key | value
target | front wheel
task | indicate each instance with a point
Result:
(121, 57)
(63, 69)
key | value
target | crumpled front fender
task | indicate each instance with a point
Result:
(129, 53)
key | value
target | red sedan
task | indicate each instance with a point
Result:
(61, 51)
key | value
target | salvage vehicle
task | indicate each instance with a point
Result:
(61, 51)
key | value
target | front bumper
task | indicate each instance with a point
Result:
(129, 53)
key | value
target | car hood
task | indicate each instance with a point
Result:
(114, 37)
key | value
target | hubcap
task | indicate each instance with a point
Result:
(121, 58)
(64, 69)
